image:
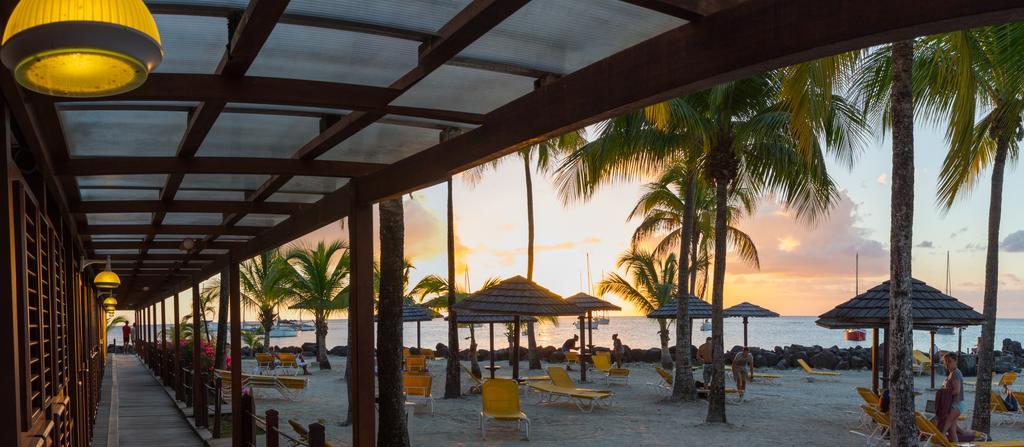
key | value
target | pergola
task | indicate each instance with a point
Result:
(269, 119)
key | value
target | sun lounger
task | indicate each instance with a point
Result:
(999, 407)
(428, 354)
(289, 363)
(562, 387)
(416, 363)
(289, 387)
(417, 387)
(500, 402)
(666, 378)
(878, 423)
(572, 358)
(813, 372)
(264, 363)
(475, 389)
(869, 396)
(1008, 379)
(603, 363)
(922, 362)
(934, 436)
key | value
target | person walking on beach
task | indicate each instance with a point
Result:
(570, 345)
(955, 384)
(617, 350)
(706, 357)
(126, 334)
(742, 370)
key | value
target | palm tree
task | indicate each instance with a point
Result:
(252, 339)
(437, 287)
(264, 280)
(651, 284)
(391, 299)
(961, 76)
(318, 285)
(207, 296)
(113, 322)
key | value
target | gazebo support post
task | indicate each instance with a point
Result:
(885, 358)
(874, 360)
(931, 354)
(418, 345)
(959, 342)
(583, 340)
(590, 333)
(745, 332)
(492, 349)
(515, 349)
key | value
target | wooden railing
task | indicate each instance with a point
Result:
(271, 428)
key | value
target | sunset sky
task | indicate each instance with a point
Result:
(804, 270)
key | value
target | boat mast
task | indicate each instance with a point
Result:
(856, 281)
(590, 283)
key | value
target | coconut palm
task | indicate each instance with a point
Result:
(207, 310)
(318, 285)
(252, 339)
(970, 81)
(114, 322)
(264, 280)
(650, 282)
(391, 298)
(437, 287)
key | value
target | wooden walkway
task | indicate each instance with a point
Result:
(141, 412)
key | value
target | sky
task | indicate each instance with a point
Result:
(805, 270)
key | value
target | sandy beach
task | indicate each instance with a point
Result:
(788, 411)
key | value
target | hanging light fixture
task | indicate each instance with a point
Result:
(107, 279)
(110, 302)
(81, 48)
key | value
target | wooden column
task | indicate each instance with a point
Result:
(235, 303)
(179, 391)
(198, 393)
(360, 228)
(10, 374)
(162, 330)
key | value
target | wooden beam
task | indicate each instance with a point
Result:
(163, 257)
(186, 206)
(170, 229)
(81, 166)
(254, 28)
(171, 245)
(689, 10)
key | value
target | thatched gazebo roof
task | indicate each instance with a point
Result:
(930, 309)
(746, 309)
(517, 296)
(469, 317)
(698, 309)
(591, 303)
(414, 312)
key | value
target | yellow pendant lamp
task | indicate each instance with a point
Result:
(81, 48)
(107, 279)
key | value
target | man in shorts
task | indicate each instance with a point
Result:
(742, 370)
(707, 357)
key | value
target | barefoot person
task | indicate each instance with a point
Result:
(126, 333)
(617, 350)
(742, 369)
(706, 357)
(955, 384)
(570, 345)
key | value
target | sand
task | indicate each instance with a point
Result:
(791, 411)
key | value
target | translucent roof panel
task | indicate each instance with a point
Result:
(117, 237)
(117, 251)
(230, 182)
(294, 198)
(176, 237)
(118, 218)
(192, 194)
(89, 194)
(383, 143)
(123, 132)
(425, 123)
(193, 219)
(261, 220)
(123, 181)
(252, 135)
(164, 251)
(232, 238)
(320, 54)
(425, 16)
(213, 251)
(310, 184)
(465, 90)
(192, 44)
(562, 36)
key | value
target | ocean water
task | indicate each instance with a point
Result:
(642, 333)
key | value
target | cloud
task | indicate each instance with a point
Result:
(1014, 243)
(926, 244)
(954, 234)
(881, 179)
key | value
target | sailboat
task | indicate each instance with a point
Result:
(706, 325)
(855, 334)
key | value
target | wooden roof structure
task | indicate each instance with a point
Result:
(590, 303)
(468, 317)
(698, 309)
(517, 296)
(930, 308)
(748, 310)
(415, 312)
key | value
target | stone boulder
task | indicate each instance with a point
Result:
(556, 357)
(1012, 347)
(824, 360)
(309, 348)
(341, 351)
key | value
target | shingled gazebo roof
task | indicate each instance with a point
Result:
(469, 317)
(590, 302)
(414, 312)
(746, 309)
(698, 309)
(517, 296)
(930, 308)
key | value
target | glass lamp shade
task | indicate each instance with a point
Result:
(107, 280)
(81, 48)
(110, 302)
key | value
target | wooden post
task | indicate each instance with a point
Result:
(745, 332)
(583, 350)
(198, 389)
(317, 437)
(218, 408)
(179, 392)
(235, 303)
(492, 349)
(273, 436)
(152, 337)
(418, 345)
(360, 227)
(931, 354)
(10, 374)
(874, 360)
(163, 341)
(515, 349)
(245, 413)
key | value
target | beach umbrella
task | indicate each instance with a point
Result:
(930, 310)
(517, 296)
(468, 317)
(415, 313)
(747, 310)
(698, 309)
(589, 304)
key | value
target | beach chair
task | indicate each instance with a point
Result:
(289, 387)
(1006, 379)
(666, 378)
(475, 389)
(264, 363)
(429, 354)
(417, 387)
(562, 387)
(998, 407)
(922, 362)
(416, 363)
(869, 396)
(289, 364)
(933, 436)
(811, 372)
(603, 363)
(572, 358)
(500, 402)
(879, 425)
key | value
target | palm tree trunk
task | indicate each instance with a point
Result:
(666, 357)
(988, 328)
(348, 375)
(474, 363)
(268, 324)
(391, 402)
(899, 340)
(683, 388)
(716, 398)
(222, 323)
(531, 354)
(694, 250)
(321, 342)
(453, 375)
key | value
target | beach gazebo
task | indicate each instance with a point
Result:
(698, 309)
(746, 311)
(467, 317)
(588, 304)
(930, 310)
(415, 313)
(518, 297)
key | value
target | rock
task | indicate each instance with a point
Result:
(556, 357)
(341, 351)
(857, 362)
(1003, 364)
(1012, 347)
(652, 355)
(781, 365)
(440, 350)
(246, 351)
(824, 360)
(290, 349)
(309, 348)
(843, 365)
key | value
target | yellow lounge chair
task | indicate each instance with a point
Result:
(998, 406)
(666, 378)
(869, 396)
(428, 353)
(264, 362)
(417, 387)
(479, 382)
(881, 424)
(416, 363)
(1006, 379)
(289, 387)
(936, 437)
(572, 358)
(811, 371)
(922, 362)
(562, 387)
(603, 363)
(288, 363)
(500, 401)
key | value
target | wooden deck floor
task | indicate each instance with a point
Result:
(144, 414)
